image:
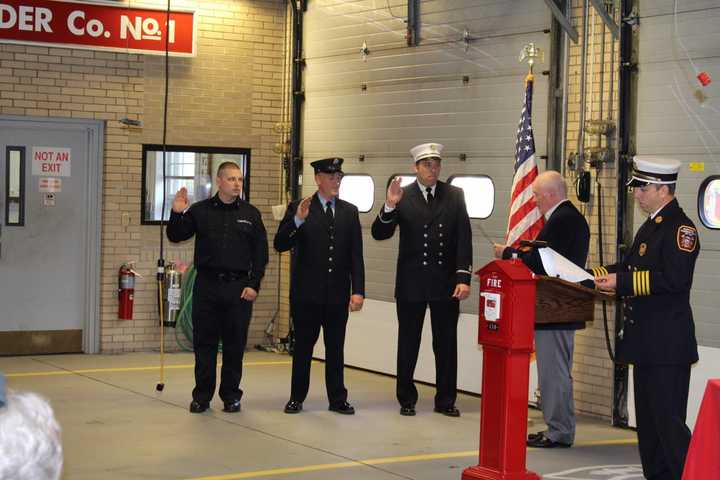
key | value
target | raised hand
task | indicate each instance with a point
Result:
(303, 208)
(394, 193)
(180, 202)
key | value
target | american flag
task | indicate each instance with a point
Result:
(525, 220)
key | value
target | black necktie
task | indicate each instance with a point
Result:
(329, 211)
(430, 196)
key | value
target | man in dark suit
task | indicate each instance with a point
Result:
(433, 269)
(658, 331)
(327, 279)
(566, 231)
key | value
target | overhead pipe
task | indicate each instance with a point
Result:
(413, 23)
(602, 82)
(583, 80)
(626, 119)
(558, 94)
(294, 166)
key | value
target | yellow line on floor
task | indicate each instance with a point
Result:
(332, 466)
(125, 369)
(380, 461)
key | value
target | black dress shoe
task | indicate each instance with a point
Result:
(407, 411)
(345, 408)
(198, 407)
(232, 406)
(541, 441)
(450, 411)
(535, 435)
(293, 407)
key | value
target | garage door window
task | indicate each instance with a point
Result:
(709, 202)
(358, 190)
(479, 193)
(405, 179)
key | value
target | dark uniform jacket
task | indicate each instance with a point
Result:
(655, 281)
(566, 232)
(229, 237)
(327, 264)
(435, 251)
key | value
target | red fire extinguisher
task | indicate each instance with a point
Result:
(126, 291)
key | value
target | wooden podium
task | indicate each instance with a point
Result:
(560, 301)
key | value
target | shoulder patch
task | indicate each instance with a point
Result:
(687, 238)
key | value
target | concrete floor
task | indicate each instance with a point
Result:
(117, 426)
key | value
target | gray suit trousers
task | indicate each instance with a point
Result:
(554, 350)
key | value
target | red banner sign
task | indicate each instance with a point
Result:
(97, 26)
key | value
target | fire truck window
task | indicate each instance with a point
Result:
(709, 202)
(15, 186)
(479, 193)
(194, 168)
(358, 190)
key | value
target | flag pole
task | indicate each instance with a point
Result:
(524, 220)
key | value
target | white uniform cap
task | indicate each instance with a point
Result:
(662, 171)
(426, 150)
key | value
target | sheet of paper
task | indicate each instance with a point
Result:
(558, 266)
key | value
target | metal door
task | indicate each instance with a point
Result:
(49, 242)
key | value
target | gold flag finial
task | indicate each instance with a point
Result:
(532, 54)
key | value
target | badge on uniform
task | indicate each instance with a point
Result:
(687, 238)
(658, 219)
(643, 249)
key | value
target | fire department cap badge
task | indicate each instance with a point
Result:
(687, 238)
(643, 249)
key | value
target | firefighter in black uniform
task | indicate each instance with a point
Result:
(231, 253)
(433, 269)
(327, 280)
(658, 333)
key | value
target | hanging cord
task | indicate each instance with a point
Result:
(600, 251)
(161, 261)
(183, 332)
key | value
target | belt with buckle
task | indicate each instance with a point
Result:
(227, 276)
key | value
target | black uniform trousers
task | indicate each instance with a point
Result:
(444, 320)
(307, 320)
(218, 313)
(661, 395)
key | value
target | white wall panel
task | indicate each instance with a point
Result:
(377, 352)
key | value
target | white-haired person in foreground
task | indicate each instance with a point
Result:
(30, 447)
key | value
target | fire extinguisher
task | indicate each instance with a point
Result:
(126, 291)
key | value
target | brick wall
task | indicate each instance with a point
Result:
(593, 370)
(229, 95)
